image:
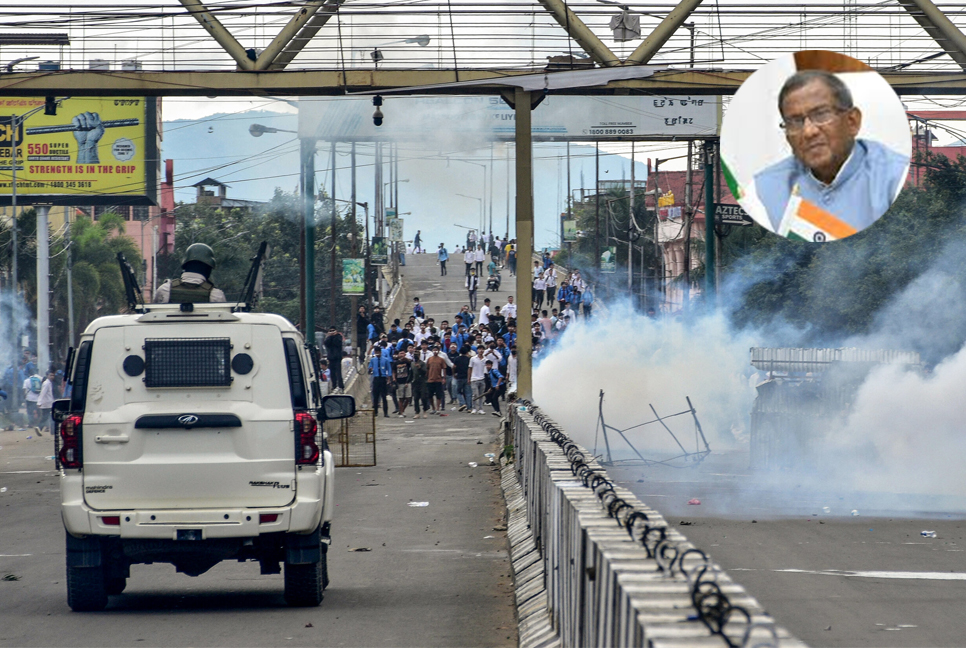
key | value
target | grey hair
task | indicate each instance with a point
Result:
(840, 91)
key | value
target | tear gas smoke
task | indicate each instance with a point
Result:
(899, 450)
(638, 361)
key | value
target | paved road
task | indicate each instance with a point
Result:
(831, 579)
(433, 576)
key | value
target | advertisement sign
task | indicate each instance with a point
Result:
(732, 215)
(608, 259)
(396, 230)
(353, 277)
(561, 118)
(94, 151)
(569, 231)
(379, 252)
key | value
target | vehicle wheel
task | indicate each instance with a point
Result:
(86, 589)
(114, 586)
(304, 583)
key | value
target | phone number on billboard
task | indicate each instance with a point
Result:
(610, 131)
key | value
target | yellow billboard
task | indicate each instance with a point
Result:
(93, 151)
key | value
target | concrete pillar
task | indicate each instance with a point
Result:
(524, 177)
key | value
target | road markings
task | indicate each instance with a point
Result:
(901, 575)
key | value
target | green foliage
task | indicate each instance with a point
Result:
(97, 284)
(235, 234)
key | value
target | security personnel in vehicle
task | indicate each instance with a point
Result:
(194, 286)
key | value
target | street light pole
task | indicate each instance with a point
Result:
(308, 205)
(15, 396)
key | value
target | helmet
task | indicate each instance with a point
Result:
(199, 252)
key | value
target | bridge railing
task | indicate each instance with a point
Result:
(614, 572)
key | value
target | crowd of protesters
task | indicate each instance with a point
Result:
(464, 362)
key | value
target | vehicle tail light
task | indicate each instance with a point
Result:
(70, 439)
(267, 517)
(111, 520)
(306, 449)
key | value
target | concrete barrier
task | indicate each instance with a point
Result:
(594, 566)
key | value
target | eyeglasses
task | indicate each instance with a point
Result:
(818, 117)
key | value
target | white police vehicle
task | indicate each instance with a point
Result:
(193, 436)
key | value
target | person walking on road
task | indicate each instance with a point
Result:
(469, 258)
(380, 370)
(443, 256)
(550, 281)
(420, 394)
(333, 344)
(472, 283)
(46, 401)
(461, 374)
(478, 257)
(435, 377)
(477, 385)
(539, 289)
(494, 385)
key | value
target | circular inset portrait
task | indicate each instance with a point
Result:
(815, 146)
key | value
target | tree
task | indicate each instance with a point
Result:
(234, 235)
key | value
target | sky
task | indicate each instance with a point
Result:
(210, 138)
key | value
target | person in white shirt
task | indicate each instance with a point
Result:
(510, 309)
(485, 312)
(493, 354)
(45, 401)
(478, 256)
(469, 258)
(477, 372)
(568, 312)
(550, 281)
(539, 287)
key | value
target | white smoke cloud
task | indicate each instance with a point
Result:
(638, 361)
(905, 432)
(900, 449)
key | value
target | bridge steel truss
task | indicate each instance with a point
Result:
(267, 73)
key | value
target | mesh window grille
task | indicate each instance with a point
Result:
(187, 362)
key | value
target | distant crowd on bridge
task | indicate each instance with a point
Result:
(465, 362)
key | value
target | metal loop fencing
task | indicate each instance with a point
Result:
(616, 573)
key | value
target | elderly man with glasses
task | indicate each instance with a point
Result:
(846, 183)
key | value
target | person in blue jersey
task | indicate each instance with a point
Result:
(493, 382)
(380, 370)
(851, 178)
(442, 256)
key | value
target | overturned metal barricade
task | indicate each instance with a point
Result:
(596, 567)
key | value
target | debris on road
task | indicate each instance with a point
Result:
(855, 512)
(361, 549)
(418, 504)
(694, 502)
(473, 464)
(928, 534)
